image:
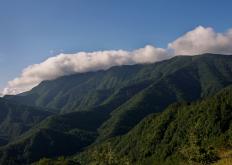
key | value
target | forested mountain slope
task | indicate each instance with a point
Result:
(100, 105)
(16, 119)
(185, 133)
(82, 91)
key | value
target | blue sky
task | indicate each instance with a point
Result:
(33, 30)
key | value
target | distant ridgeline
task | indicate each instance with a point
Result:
(171, 112)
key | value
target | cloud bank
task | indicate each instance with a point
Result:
(65, 64)
(203, 40)
(198, 41)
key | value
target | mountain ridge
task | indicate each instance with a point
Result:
(96, 107)
(58, 94)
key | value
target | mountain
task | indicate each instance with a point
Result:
(132, 92)
(15, 119)
(185, 133)
(87, 90)
(191, 78)
(56, 135)
(97, 106)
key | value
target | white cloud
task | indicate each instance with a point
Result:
(198, 41)
(65, 64)
(202, 40)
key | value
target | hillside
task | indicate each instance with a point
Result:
(56, 135)
(15, 119)
(184, 133)
(196, 77)
(133, 91)
(100, 105)
(87, 90)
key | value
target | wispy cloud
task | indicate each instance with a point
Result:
(198, 41)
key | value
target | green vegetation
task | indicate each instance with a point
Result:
(55, 136)
(208, 73)
(140, 114)
(58, 161)
(15, 119)
(183, 133)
